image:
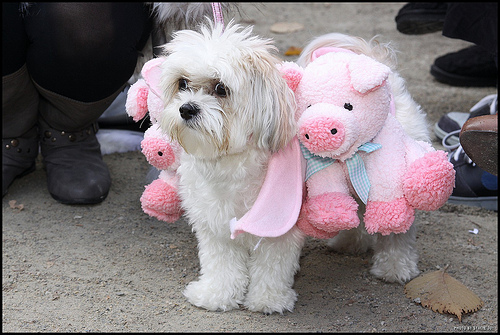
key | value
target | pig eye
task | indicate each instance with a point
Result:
(348, 106)
(308, 106)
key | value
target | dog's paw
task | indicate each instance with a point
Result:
(271, 301)
(393, 269)
(211, 296)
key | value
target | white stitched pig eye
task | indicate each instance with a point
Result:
(348, 106)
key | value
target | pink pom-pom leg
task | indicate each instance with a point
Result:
(394, 216)
(308, 229)
(332, 212)
(160, 200)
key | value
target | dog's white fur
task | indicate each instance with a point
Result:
(228, 141)
(172, 16)
(395, 256)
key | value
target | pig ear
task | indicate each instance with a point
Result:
(325, 50)
(367, 74)
(151, 71)
(292, 73)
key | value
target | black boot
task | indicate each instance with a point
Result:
(76, 172)
(18, 157)
(19, 133)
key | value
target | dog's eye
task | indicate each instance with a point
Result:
(348, 106)
(220, 90)
(183, 84)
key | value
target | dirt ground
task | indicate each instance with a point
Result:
(112, 268)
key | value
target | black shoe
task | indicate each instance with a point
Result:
(416, 18)
(449, 125)
(473, 186)
(479, 140)
(472, 66)
(18, 157)
(76, 173)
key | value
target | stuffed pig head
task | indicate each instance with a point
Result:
(343, 100)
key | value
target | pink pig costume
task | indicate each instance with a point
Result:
(358, 151)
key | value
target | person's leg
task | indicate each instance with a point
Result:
(80, 57)
(85, 51)
(478, 65)
(472, 66)
(19, 100)
(475, 22)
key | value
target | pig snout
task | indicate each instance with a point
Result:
(322, 134)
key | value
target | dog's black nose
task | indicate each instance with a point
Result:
(188, 111)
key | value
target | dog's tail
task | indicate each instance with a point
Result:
(381, 52)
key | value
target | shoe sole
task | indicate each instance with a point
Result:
(31, 169)
(417, 27)
(489, 203)
(479, 140)
(440, 133)
(461, 81)
(79, 201)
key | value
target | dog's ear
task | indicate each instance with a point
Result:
(292, 73)
(274, 108)
(367, 74)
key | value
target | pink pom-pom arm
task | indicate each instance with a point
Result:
(429, 181)
(160, 200)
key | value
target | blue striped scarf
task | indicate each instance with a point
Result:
(355, 167)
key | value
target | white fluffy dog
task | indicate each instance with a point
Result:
(395, 256)
(228, 106)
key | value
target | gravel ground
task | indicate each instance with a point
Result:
(112, 268)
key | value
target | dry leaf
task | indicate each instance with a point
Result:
(442, 293)
(286, 27)
(13, 205)
(293, 51)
